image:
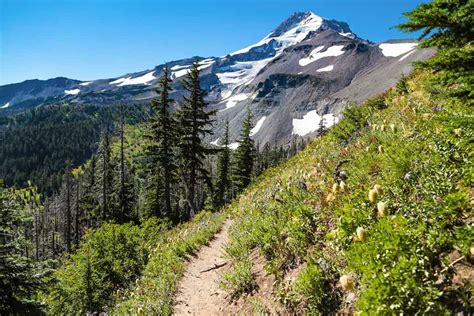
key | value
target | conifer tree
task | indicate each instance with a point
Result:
(449, 26)
(19, 277)
(244, 156)
(89, 201)
(223, 193)
(123, 186)
(195, 123)
(122, 191)
(105, 175)
(161, 151)
(77, 174)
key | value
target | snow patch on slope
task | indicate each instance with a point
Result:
(206, 63)
(316, 54)
(245, 72)
(348, 35)
(396, 49)
(85, 83)
(311, 121)
(406, 55)
(5, 106)
(179, 71)
(125, 81)
(178, 67)
(328, 68)
(293, 36)
(72, 91)
(216, 142)
(257, 126)
(233, 100)
(234, 145)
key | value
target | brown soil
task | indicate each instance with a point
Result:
(199, 292)
(263, 299)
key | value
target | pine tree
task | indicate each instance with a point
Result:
(195, 123)
(122, 191)
(244, 156)
(106, 175)
(223, 192)
(19, 277)
(449, 26)
(123, 186)
(77, 174)
(89, 201)
(162, 152)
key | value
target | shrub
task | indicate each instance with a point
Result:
(108, 259)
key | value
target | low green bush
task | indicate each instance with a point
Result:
(109, 258)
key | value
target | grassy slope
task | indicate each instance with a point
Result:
(417, 146)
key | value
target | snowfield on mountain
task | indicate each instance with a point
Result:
(308, 63)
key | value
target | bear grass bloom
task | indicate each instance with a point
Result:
(347, 282)
(342, 186)
(361, 234)
(381, 206)
(335, 188)
(372, 195)
(379, 189)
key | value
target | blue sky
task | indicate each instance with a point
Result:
(92, 39)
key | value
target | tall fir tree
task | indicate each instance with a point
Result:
(449, 26)
(77, 174)
(19, 275)
(123, 186)
(89, 201)
(244, 156)
(223, 192)
(162, 151)
(105, 175)
(195, 123)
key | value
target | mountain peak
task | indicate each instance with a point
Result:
(307, 20)
(293, 30)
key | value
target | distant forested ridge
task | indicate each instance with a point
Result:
(39, 144)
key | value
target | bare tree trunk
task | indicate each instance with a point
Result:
(77, 234)
(55, 228)
(44, 229)
(68, 210)
(37, 232)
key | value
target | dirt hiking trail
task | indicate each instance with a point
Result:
(199, 292)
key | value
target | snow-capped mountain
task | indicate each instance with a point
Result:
(305, 70)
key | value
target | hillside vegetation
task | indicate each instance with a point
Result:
(372, 214)
(38, 145)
